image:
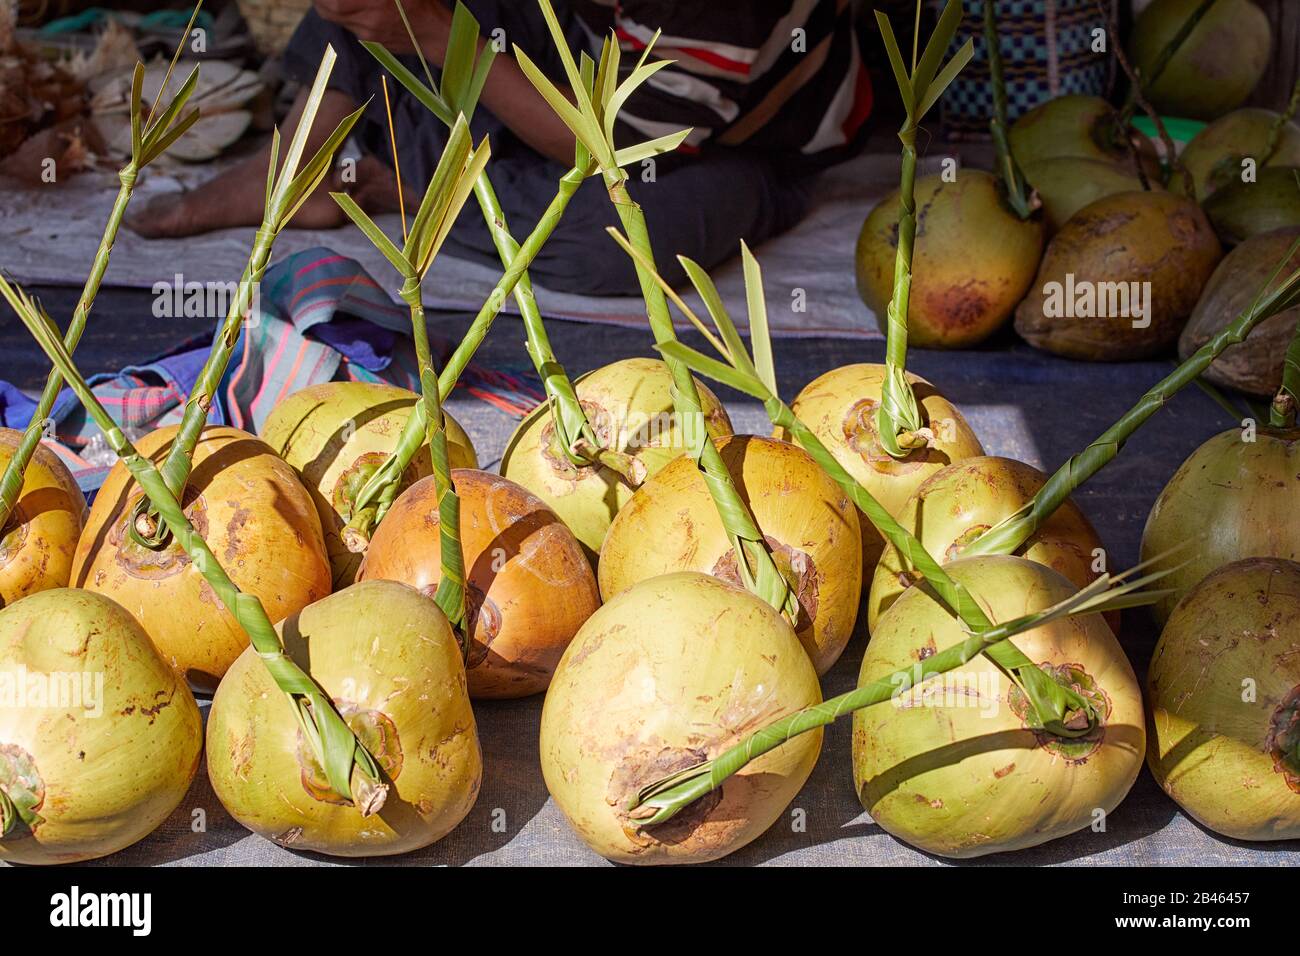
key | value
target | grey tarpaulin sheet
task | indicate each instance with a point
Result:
(1022, 404)
(46, 242)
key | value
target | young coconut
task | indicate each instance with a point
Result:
(1216, 155)
(1060, 708)
(1234, 497)
(39, 535)
(1089, 298)
(1232, 759)
(974, 259)
(960, 780)
(41, 507)
(529, 584)
(253, 511)
(387, 653)
(842, 406)
(1241, 210)
(1255, 364)
(1218, 65)
(1078, 127)
(1066, 184)
(388, 659)
(810, 526)
(629, 404)
(721, 662)
(86, 774)
(335, 435)
(956, 505)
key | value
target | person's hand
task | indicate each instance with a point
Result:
(379, 22)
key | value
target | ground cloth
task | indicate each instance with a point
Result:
(1021, 403)
(808, 270)
(319, 317)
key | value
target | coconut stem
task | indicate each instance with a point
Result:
(373, 498)
(285, 194)
(753, 558)
(149, 141)
(336, 746)
(1013, 179)
(1137, 96)
(11, 484)
(8, 814)
(1008, 535)
(1282, 414)
(1274, 142)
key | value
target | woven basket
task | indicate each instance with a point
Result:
(272, 22)
(1046, 52)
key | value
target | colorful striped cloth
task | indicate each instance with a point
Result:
(320, 317)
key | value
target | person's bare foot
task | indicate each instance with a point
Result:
(229, 201)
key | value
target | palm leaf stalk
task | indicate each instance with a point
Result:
(351, 770)
(1009, 534)
(377, 494)
(150, 139)
(285, 194)
(597, 95)
(1013, 179)
(898, 419)
(1057, 707)
(453, 180)
(465, 69)
(1282, 413)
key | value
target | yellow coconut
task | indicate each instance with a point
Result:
(388, 659)
(1234, 497)
(955, 506)
(335, 435)
(99, 737)
(809, 523)
(840, 408)
(629, 405)
(530, 584)
(955, 765)
(1224, 688)
(973, 259)
(40, 538)
(256, 517)
(669, 673)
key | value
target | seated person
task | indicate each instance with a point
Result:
(773, 93)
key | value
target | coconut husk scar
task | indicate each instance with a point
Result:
(321, 318)
(47, 246)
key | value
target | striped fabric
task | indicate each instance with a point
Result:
(321, 318)
(783, 77)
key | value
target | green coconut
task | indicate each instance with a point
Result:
(1255, 365)
(1241, 210)
(38, 541)
(955, 766)
(957, 504)
(389, 660)
(1215, 155)
(1235, 497)
(973, 259)
(1218, 65)
(1065, 184)
(629, 404)
(99, 737)
(1077, 126)
(335, 435)
(1224, 693)
(671, 672)
(1120, 278)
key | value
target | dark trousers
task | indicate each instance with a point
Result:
(698, 206)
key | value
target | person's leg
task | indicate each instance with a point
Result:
(700, 209)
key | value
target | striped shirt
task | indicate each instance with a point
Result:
(785, 77)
